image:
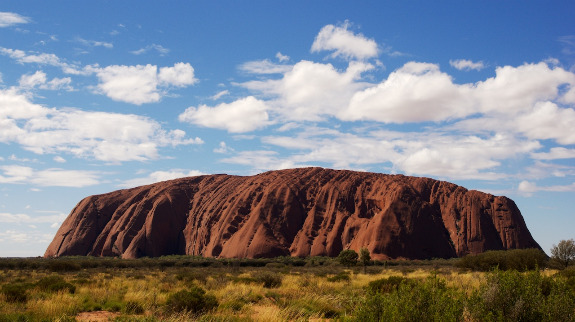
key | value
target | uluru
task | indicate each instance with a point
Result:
(296, 212)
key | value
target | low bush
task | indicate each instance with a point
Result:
(63, 265)
(429, 300)
(386, 285)
(515, 296)
(16, 292)
(54, 284)
(515, 259)
(132, 307)
(339, 277)
(270, 280)
(195, 301)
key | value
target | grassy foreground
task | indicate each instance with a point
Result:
(65, 290)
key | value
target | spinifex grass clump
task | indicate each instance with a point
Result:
(195, 301)
(55, 283)
(16, 292)
(269, 280)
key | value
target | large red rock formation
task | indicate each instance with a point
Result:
(297, 212)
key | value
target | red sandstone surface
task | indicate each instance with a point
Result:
(296, 212)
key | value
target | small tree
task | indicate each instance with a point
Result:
(564, 252)
(348, 257)
(364, 257)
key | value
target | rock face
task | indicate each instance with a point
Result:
(297, 212)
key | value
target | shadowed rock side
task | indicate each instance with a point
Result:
(297, 212)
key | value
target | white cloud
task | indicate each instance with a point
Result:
(311, 90)
(517, 89)
(47, 178)
(281, 57)
(59, 159)
(529, 188)
(158, 176)
(181, 75)
(344, 43)
(42, 59)
(548, 121)
(223, 148)
(55, 217)
(244, 115)
(94, 43)
(417, 92)
(39, 79)
(554, 154)
(139, 84)
(264, 67)
(110, 137)
(464, 64)
(262, 160)
(158, 48)
(220, 94)
(8, 19)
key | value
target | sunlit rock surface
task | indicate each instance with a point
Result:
(296, 212)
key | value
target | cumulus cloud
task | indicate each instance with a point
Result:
(8, 19)
(16, 174)
(417, 92)
(311, 90)
(344, 43)
(181, 75)
(110, 137)
(142, 84)
(158, 176)
(464, 64)
(244, 115)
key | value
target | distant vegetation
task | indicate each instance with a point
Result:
(494, 286)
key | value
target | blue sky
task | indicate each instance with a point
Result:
(97, 96)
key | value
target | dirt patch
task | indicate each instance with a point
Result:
(96, 316)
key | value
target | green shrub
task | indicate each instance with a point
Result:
(339, 277)
(386, 285)
(513, 296)
(515, 259)
(63, 265)
(195, 300)
(429, 300)
(348, 257)
(54, 284)
(16, 292)
(270, 280)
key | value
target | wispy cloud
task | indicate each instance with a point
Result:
(8, 19)
(94, 43)
(153, 47)
(464, 64)
(158, 176)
